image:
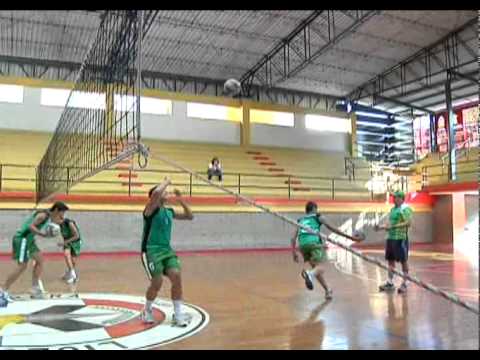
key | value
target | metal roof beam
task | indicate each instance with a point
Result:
(465, 76)
(177, 83)
(448, 45)
(291, 62)
(460, 97)
(426, 97)
(401, 103)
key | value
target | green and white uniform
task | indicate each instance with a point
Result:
(75, 246)
(23, 242)
(157, 253)
(311, 246)
(396, 246)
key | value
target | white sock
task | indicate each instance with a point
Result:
(390, 277)
(177, 307)
(148, 305)
(38, 285)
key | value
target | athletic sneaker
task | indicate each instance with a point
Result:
(308, 280)
(182, 321)
(37, 293)
(71, 280)
(388, 286)
(5, 295)
(329, 294)
(147, 317)
(402, 289)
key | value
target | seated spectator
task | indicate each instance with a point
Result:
(215, 169)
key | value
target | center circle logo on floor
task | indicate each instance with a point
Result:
(92, 322)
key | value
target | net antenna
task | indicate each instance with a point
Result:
(100, 124)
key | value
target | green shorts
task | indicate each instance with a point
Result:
(75, 248)
(24, 249)
(313, 252)
(157, 262)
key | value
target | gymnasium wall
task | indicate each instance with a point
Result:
(113, 231)
(30, 115)
(299, 137)
(442, 218)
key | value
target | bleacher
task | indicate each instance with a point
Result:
(261, 171)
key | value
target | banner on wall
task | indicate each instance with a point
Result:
(466, 128)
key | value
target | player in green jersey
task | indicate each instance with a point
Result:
(396, 249)
(312, 246)
(71, 245)
(25, 248)
(158, 257)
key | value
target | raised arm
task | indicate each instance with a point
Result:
(154, 200)
(187, 212)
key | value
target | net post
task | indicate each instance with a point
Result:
(68, 179)
(333, 189)
(139, 71)
(289, 187)
(129, 182)
(239, 186)
(191, 181)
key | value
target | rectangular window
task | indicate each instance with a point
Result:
(214, 112)
(11, 94)
(328, 123)
(78, 99)
(272, 118)
(148, 105)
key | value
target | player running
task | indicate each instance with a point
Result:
(158, 257)
(313, 247)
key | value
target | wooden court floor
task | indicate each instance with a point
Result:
(258, 300)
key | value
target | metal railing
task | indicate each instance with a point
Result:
(289, 186)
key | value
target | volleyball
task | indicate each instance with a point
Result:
(52, 230)
(232, 87)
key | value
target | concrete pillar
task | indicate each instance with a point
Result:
(245, 127)
(354, 148)
(299, 121)
(452, 171)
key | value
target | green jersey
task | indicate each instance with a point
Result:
(25, 232)
(313, 222)
(67, 233)
(157, 229)
(397, 215)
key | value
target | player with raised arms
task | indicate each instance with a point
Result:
(158, 257)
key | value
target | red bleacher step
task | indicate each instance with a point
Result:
(293, 182)
(126, 175)
(122, 167)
